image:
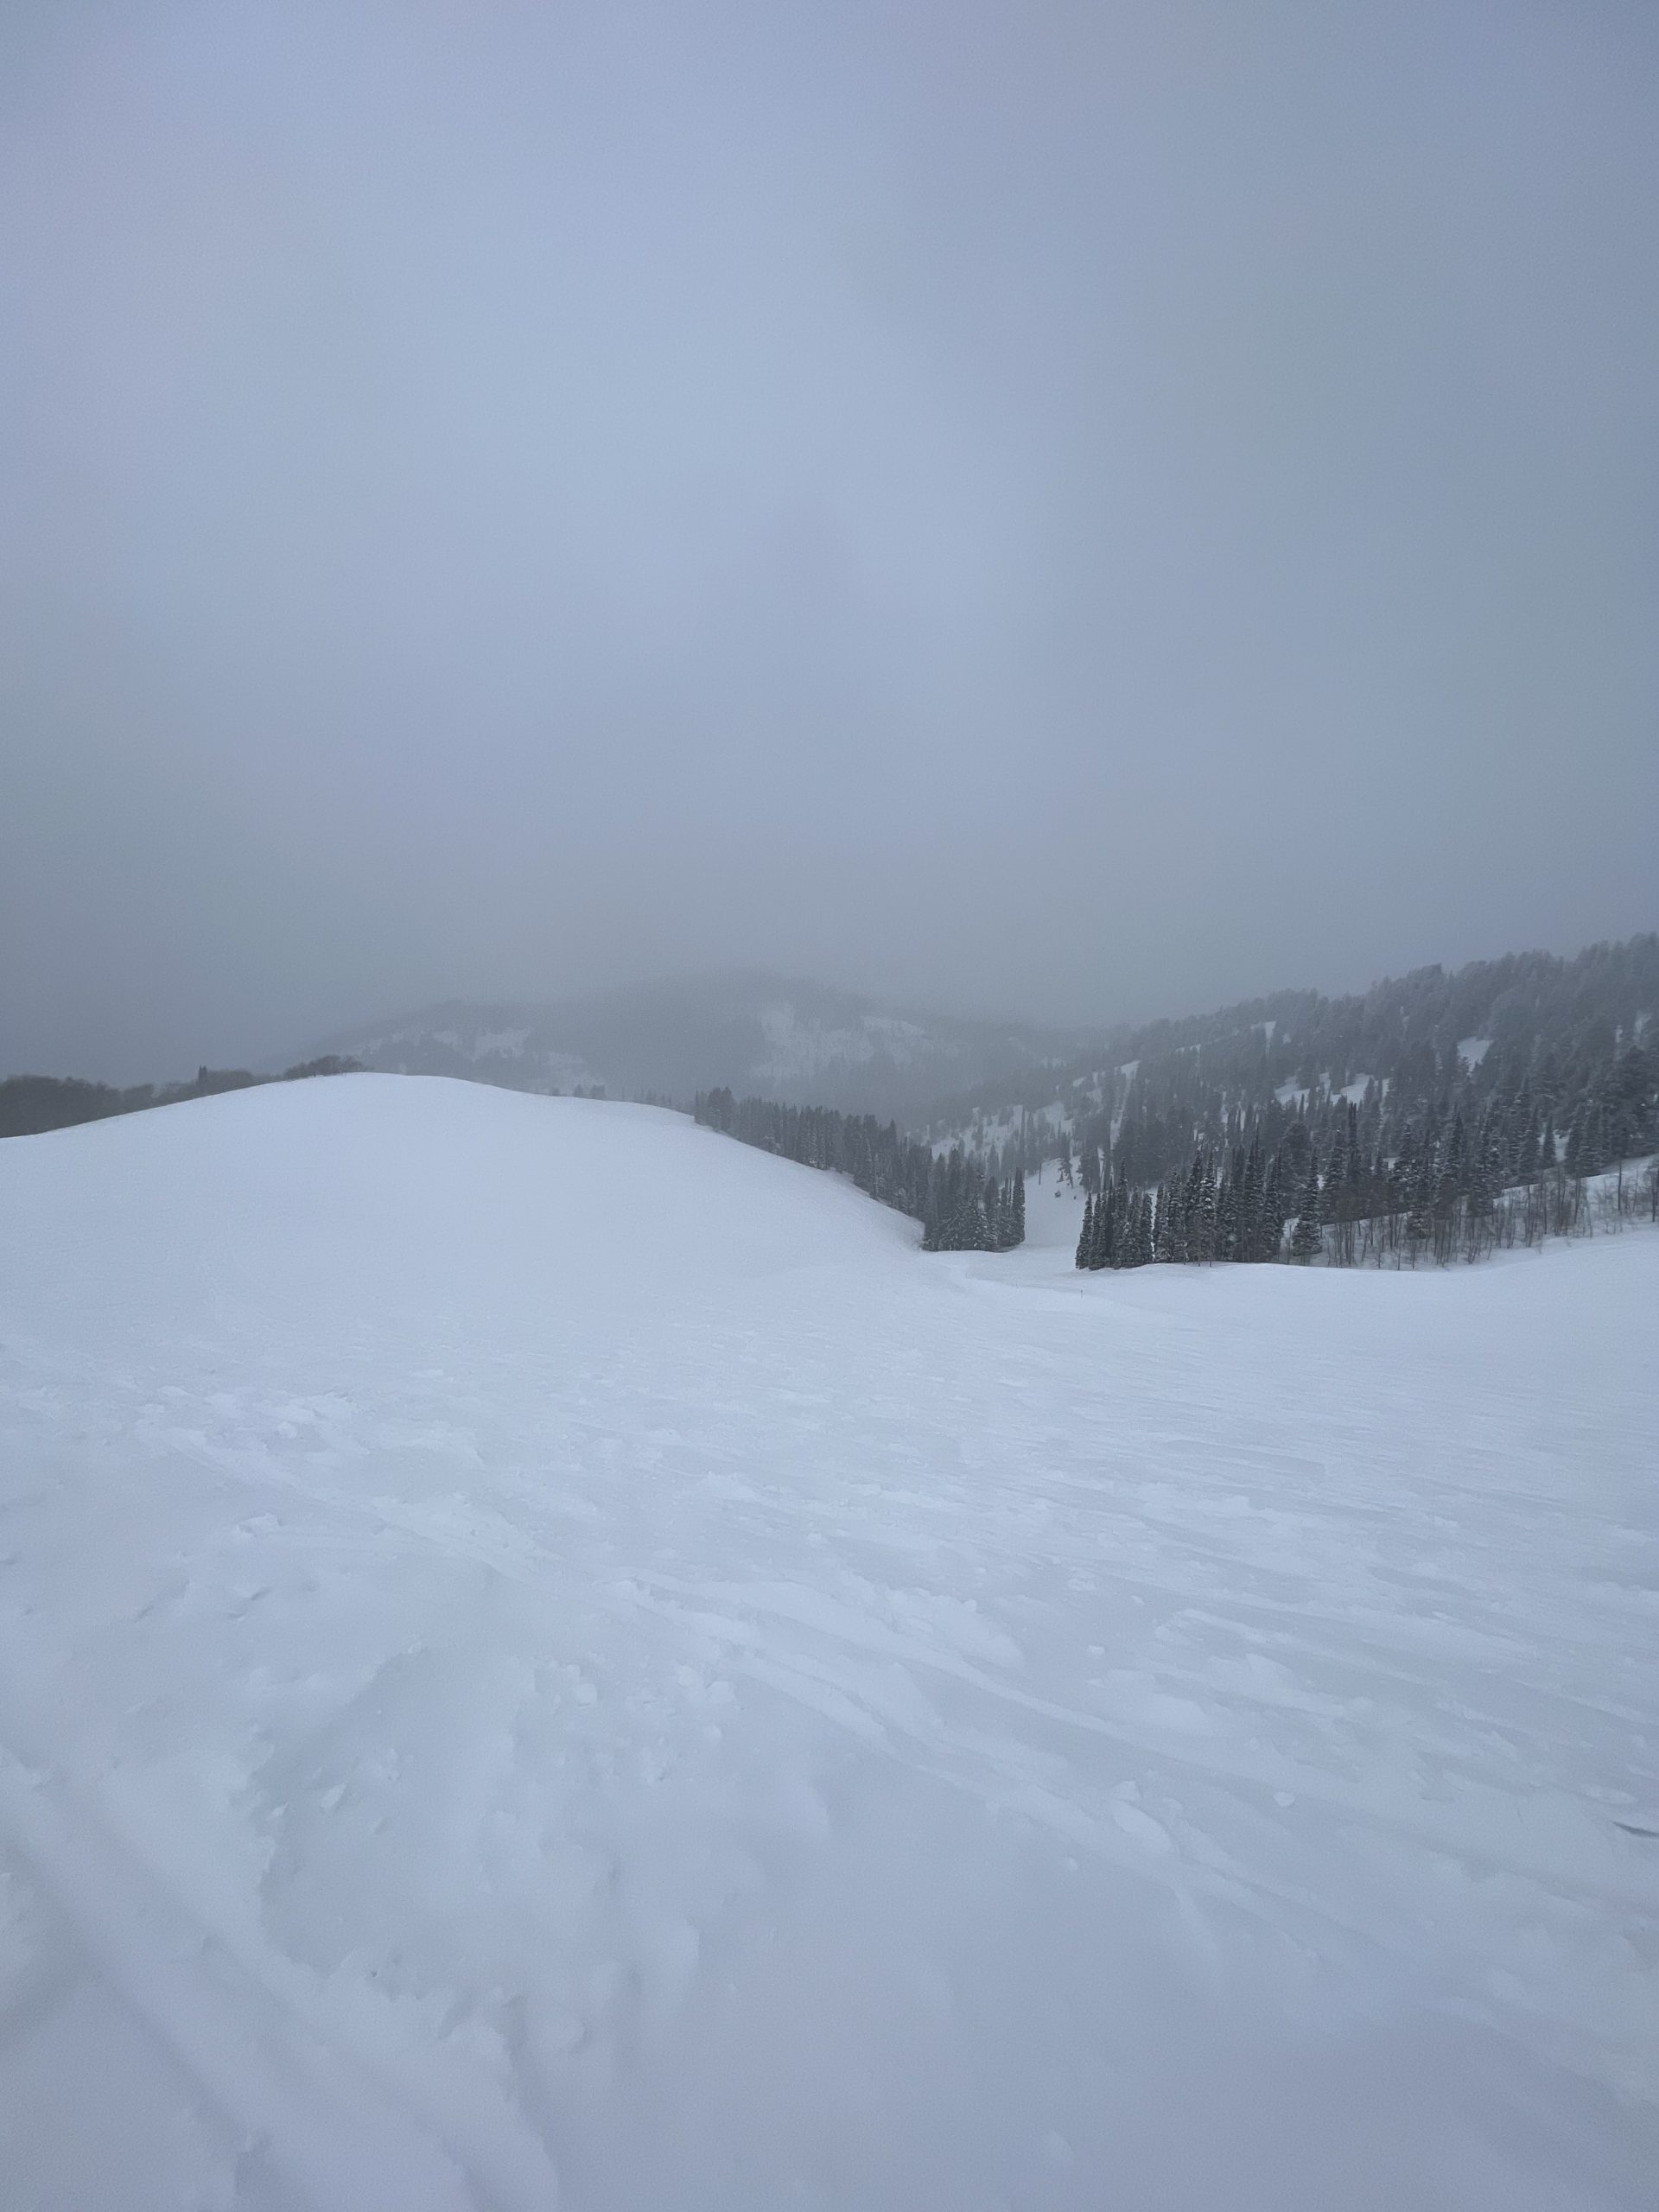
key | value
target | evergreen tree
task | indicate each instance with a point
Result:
(1226, 1243)
(1209, 1210)
(1169, 1239)
(1143, 1253)
(1309, 1207)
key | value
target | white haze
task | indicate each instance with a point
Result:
(1064, 511)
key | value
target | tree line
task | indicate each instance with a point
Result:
(963, 1204)
(1447, 1189)
(1455, 1039)
(30, 1104)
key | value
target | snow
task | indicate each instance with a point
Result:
(1129, 1070)
(1472, 1051)
(797, 1048)
(547, 1658)
(501, 1044)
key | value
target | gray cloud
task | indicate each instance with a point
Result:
(1073, 511)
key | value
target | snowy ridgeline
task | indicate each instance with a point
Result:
(549, 1658)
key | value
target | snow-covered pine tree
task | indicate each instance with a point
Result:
(1169, 1236)
(1115, 1238)
(1226, 1242)
(1306, 1238)
(1271, 1229)
(992, 1214)
(1086, 1235)
(1209, 1210)
(1143, 1230)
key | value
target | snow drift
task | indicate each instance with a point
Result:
(548, 1659)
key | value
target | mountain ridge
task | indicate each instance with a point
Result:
(800, 1042)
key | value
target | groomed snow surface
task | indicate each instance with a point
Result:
(548, 1660)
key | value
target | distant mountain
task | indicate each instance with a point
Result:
(800, 1043)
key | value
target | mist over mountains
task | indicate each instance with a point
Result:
(1559, 1024)
(805, 1044)
(1559, 1017)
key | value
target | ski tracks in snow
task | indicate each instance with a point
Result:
(308, 2092)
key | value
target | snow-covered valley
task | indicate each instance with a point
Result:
(548, 1659)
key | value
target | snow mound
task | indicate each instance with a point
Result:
(549, 1659)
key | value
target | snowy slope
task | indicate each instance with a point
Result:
(548, 1659)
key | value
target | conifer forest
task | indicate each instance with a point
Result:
(1437, 1117)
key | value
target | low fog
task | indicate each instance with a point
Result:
(1073, 512)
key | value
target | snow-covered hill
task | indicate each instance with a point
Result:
(547, 1658)
(794, 1041)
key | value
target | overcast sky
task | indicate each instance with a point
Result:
(1078, 511)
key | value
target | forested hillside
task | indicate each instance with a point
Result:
(1549, 1057)
(962, 1205)
(1386, 1126)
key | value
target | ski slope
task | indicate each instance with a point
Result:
(548, 1660)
